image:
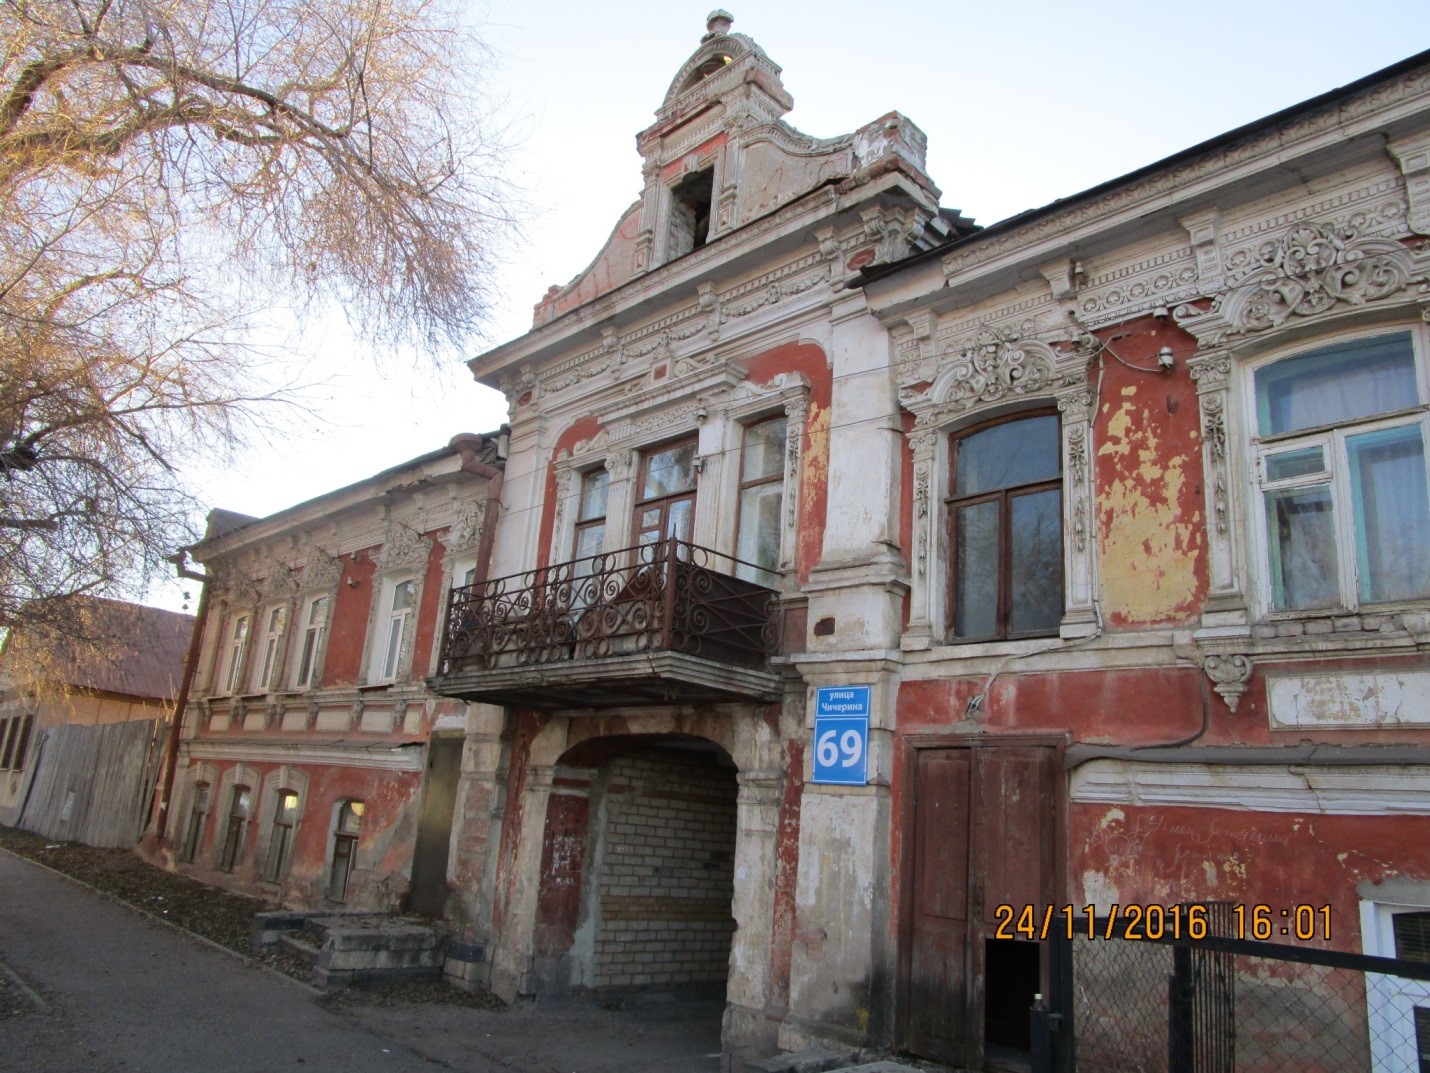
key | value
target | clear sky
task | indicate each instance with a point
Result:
(1022, 102)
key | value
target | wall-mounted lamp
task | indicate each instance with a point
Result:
(1165, 360)
(1160, 313)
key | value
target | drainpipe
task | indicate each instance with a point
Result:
(469, 446)
(191, 663)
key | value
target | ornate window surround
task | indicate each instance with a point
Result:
(283, 778)
(402, 557)
(995, 372)
(719, 418)
(1259, 594)
(1315, 282)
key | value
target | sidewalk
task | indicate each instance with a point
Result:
(125, 993)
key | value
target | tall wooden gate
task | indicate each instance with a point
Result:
(983, 835)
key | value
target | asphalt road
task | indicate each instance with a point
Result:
(119, 992)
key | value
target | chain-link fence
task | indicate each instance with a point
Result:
(1221, 1005)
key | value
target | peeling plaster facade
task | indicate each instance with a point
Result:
(1140, 716)
(307, 683)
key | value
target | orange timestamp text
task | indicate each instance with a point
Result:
(1160, 923)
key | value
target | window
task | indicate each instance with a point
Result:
(666, 507)
(233, 833)
(399, 615)
(762, 460)
(690, 203)
(237, 642)
(25, 725)
(280, 840)
(1341, 465)
(198, 816)
(315, 625)
(272, 635)
(1397, 1007)
(8, 734)
(591, 514)
(1005, 518)
(345, 839)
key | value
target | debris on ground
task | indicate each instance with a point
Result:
(220, 916)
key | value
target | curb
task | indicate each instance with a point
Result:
(160, 920)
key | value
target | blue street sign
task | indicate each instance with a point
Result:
(841, 735)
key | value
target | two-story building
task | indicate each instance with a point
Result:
(1118, 508)
(314, 768)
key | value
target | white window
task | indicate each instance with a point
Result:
(393, 627)
(1339, 442)
(1398, 1008)
(272, 620)
(591, 516)
(762, 465)
(237, 643)
(315, 625)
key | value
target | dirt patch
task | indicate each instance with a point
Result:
(220, 916)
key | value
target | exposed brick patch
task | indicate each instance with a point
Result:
(667, 875)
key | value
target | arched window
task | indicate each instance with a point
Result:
(1006, 524)
(345, 840)
(280, 840)
(237, 822)
(198, 816)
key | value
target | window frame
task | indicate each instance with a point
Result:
(386, 617)
(1337, 478)
(319, 632)
(235, 827)
(201, 804)
(266, 670)
(742, 485)
(664, 502)
(601, 520)
(1004, 497)
(235, 649)
(281, 836)
(344, 848)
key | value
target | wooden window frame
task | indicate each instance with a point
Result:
(667, 501)
(1003, 497)
(280, 838)
(345, 846)
(235, 828)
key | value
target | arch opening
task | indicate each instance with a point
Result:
(637, 869)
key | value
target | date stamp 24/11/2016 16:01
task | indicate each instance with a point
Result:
(1160, 923)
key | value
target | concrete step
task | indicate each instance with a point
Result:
(348, 948)
(809, 1060)
(308, 951)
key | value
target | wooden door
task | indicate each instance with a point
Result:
(983, 836)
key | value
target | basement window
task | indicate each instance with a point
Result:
(690, 212)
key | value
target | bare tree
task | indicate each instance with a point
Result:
(167, 164)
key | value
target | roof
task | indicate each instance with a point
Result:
(140, 651)
(1328, 99)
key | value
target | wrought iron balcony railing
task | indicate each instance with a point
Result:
(664, 597)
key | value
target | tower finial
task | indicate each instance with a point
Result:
(718, 21)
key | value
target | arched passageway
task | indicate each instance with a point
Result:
(637, 870)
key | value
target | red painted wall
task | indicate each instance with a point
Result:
(578, 432)
(1148, 473)
(343, 662)
(1169, 855)
(429, 612)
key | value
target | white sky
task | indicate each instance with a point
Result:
(1022, 103)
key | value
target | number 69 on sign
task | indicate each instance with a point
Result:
(840, 747)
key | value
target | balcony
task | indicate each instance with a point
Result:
(666, 623)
